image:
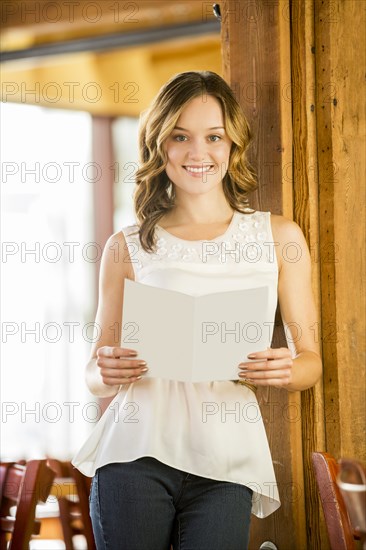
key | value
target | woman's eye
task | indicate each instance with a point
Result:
(214, 138)
(179, 138)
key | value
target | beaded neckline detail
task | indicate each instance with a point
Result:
(159, 228)
(246, 239)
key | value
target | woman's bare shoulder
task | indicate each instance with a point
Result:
(116, 255)
(291, 243)
(285, 230)
(118, 239)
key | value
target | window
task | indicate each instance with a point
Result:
(48, 286)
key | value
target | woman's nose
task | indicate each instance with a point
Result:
(197, 150)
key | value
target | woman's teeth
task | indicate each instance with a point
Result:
(196, 170)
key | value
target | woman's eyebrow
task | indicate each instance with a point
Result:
(213, 128)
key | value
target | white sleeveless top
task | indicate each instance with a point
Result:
(210, 429)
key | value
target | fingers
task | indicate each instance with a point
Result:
(115, 380)
(266, 365)
(113, 377)
(271, 353)
(116, 368)
(272, 367)
(279, 378)
(114, 351)
(109, 363)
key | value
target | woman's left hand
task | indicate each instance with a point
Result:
(272, 367)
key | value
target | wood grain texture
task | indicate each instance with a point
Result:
(325, 156)
(256, 63)
(340, 532)
(340, 110)
(305, 189)
(250, 38)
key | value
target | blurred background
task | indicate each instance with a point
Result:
(75, 78)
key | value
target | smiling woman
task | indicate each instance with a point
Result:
(166, 475)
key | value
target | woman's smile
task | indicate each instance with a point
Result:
(198, 170)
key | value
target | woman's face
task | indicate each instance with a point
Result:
(198, 148)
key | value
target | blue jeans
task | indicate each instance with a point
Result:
(148, 505)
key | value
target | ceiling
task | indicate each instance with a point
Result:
(31, 23)
(107, 57)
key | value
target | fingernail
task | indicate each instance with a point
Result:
(145, 369)
(138, 377)
(251, 356)
(132, 353)
(142, 363)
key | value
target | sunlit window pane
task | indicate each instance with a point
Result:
(48, 270)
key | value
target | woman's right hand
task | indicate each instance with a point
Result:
(117, 365)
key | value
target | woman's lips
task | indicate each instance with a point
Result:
(198, 170)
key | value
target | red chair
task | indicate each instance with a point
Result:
(74, 512)
(23, 486)
(340, 531)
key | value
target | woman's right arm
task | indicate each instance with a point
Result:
(110, 365)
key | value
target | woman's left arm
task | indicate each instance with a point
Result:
(299, 366)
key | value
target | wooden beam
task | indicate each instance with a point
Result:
(256, 63)
(306, 214)
(113, 41)
(251, 52)
(340, 45)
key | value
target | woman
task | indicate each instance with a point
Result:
(186, 463)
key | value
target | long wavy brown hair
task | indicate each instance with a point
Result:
(154, 194)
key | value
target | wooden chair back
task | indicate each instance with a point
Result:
(74, 513)
(340, 532)
(23, 486)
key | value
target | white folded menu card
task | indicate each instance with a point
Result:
(194, 338)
